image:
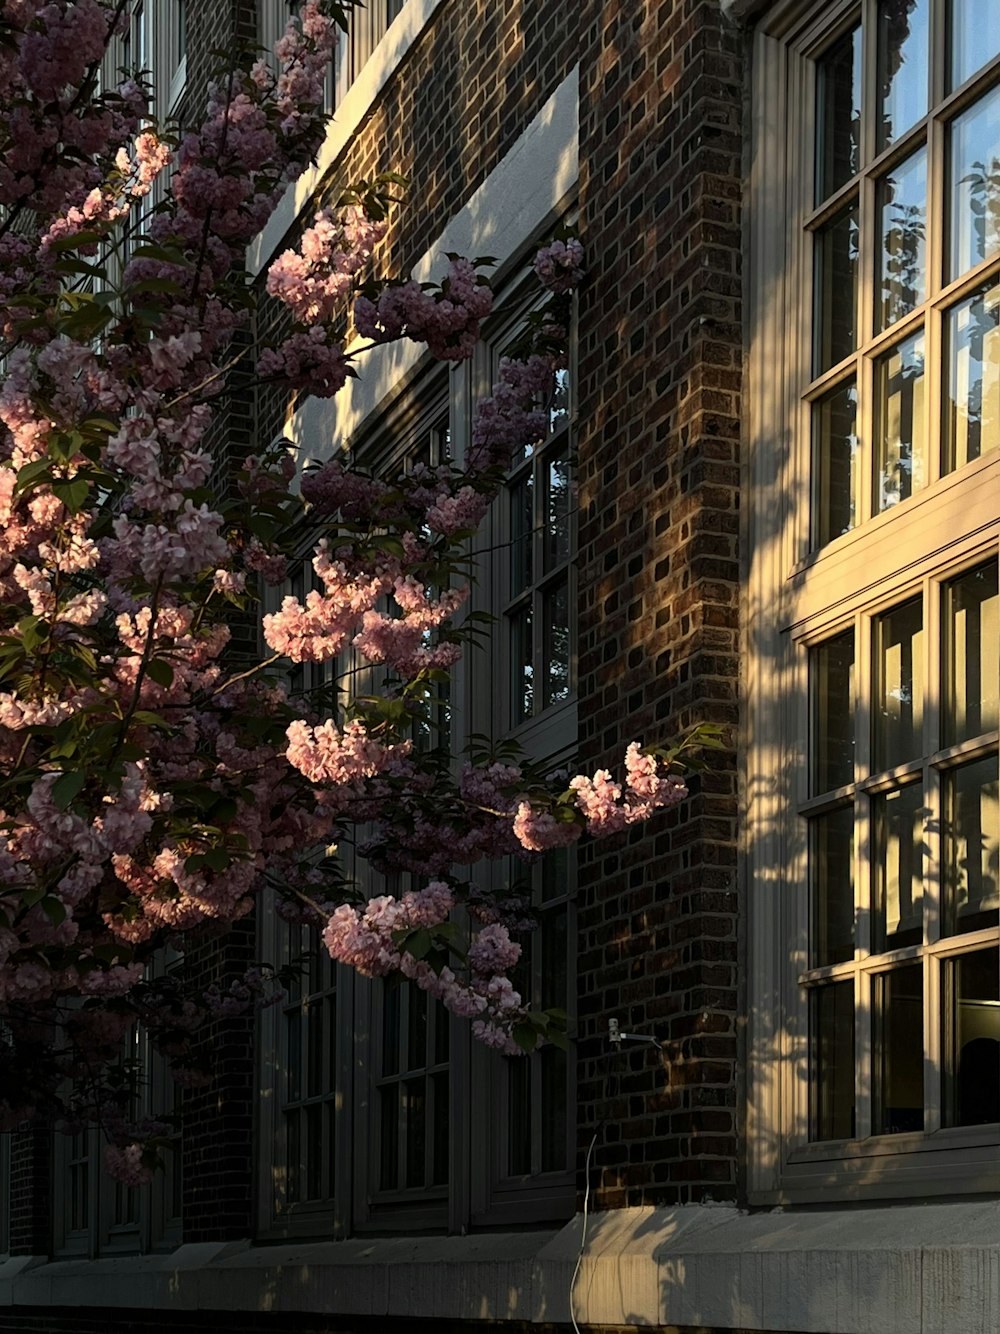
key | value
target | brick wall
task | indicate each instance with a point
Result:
(30, 1192)
(660, 350)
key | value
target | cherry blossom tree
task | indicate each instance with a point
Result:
(151, 785)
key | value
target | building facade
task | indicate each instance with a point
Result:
(770, 500)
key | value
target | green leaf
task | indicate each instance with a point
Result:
(54, 909)
(526, 1036)
(66, 789)
(151, 719)
(33, 473)
(73, 494)
(160, 671)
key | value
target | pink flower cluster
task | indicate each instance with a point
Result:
(404, 642)
(447, 319)
(314, 280)
(512, 417)
(308, 362)
(559, 265)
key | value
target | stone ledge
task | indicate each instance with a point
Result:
(909, 1269)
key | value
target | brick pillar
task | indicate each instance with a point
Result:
(659, 383)
(31, 1192)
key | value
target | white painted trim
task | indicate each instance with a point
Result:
(530, 185)
(401, 35)
(913, 1269)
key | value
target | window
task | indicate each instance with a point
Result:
(367, 25)
(873, 823)
(383, 1112)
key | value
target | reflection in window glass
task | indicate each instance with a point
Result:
(521, 522)
(898, 820)
(832, 857)
(899, 702)
(838, 113)
(832, 1088)
(836, 459)
(832, 682)
(836, 302)
(901, 423)
(557, 508)
(972, 665)
(902, 66)
(972, 387)
(522, 666)
(899, 1047)
(556, 664)
(972, 846)
(973, 1040)
(902, 212)
(973, 218)
(412, 1090)
(974, 36)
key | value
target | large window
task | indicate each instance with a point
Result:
(383, 1113)
(873, 823)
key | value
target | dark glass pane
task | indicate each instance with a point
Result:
(314, 1031)
(973, 1040)
(902, 211)
(518, 1116)
(972, 847)
(898, 819)
(416, 1049)
(835, 446)
(899, 1012)
(972, 389)
(440, 1034)
(832, 682)
(293, 1049)
(832, 851)
(442, 1138)
(902, 66)
(901, 423)
(554, 945)
(557, 509)
(556, 644)
(899, 702)
(391, 1000)
(833, 1056)
(974, 36)
(416, 1132)
(521, 523)
(555, 874)
(522, 665)
(972, 659)
(293, 1158)
(974, 185)
(838, 114)
(836, 298)
(389, 1137)
(314, 1152)
(553, 1078)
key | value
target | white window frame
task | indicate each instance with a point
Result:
(794, 599)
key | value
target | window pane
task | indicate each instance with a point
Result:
(902, 66)
(973, 1040)
(898, 820)
(521, 522)
(972, 391)
(836, 302)
(833, 1059)
(974, 36)
(553, 1080)
(832, 852)
(314, 1152)
(835, 444)
(391, 1000)
(901, 423)
(293, 1048)
(293, 1151)
(972, 665)
(442, 1137)
(899, 1011)
(557, 509)
(521, 665)
(902, 205)
(832, 670)
(838, 114)
(559, 402)
(554, 974)
(416, 1132)
(416, 1051)
(972, 847)
(389, 1137)
(899, 714)
(974, 185)
(556, 644)
(518, 1116)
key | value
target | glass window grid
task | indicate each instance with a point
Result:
(931, 314)
(539, 584)
(936, 950)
